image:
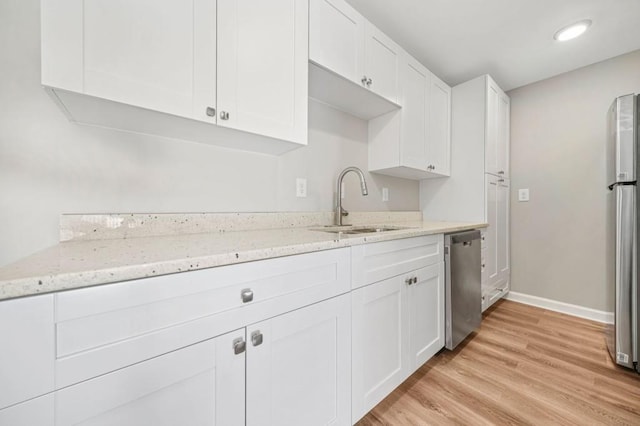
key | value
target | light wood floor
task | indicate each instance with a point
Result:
(524, 366)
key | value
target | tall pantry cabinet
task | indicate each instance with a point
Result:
(478, 189)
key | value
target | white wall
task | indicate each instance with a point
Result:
(558, 140)
(49, 166)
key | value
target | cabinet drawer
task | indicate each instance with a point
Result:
(27, 349)
(492, 294)
(103, 328)
(378, 261)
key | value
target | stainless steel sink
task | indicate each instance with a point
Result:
(351, 230)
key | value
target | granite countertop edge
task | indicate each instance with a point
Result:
(45, 272)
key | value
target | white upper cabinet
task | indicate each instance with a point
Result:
(439, 128)
(497, 130)
(355, 67)
(414, 142)
(162, 58)
(262, 67)
(382, 64)
(240, 64)
(336, 37)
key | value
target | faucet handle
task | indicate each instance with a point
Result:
(344, 212)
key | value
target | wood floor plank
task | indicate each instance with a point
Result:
(525, 365)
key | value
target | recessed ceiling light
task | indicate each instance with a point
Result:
(573, 30)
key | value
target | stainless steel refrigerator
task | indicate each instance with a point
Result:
(622, 172)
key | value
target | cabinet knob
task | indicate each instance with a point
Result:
(364, 80)
(369, 81)
(415, 280)
(247, 295)
(256, 338)
(211, 112)
(224, 115)
(408, 281)
(239, 346)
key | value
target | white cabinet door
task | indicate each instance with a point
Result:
(502, 246)
(491, 261)
(414, 115)
(299, 366)
(439, 136)
(35, 412)
(380, 324)
(492, 127)
(263, 67)
(504, 118)
(426, 314)
(201, 384)
(336, 38)
(134, 52)
(27, 348)
(382, 63)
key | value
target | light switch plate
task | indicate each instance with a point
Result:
(523, 194)
(301, 187)
(385, 194)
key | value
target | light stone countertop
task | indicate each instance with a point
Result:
(81, 262)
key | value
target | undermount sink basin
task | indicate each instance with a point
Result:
(358, 229)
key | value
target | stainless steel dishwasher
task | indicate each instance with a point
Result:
(463, 293)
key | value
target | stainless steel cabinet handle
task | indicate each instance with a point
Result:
(211, 112)
(224, 115)
(364, 80)
(239, 346)
(501, 172)
(369, 81)
(500, 180)
(256, 338)
(247, 295)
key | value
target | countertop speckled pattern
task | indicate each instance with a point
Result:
(82, 263)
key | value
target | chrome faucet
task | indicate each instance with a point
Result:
(340, 212)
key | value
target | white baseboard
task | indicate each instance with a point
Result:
(565, 308)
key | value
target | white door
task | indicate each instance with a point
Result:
(502, 252)
(263, 55)
(35, 412)
(414, 114)
(491, 261)
(439, 137)
(492, 128)
(382, 63)
(380, 322)
(134, 52)
(502, 150)
(199, 385)
(426, 314)
(336, 38)
(299, 366)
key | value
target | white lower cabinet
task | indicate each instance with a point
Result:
(397, 325)
(425, 299)
(306, 350)
(299, 367)
(202, 384)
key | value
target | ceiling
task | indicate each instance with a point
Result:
(512, 40)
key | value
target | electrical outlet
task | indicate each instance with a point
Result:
(301, 187)
(523, 194)
(385, 194)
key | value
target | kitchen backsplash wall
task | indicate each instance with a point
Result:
(558, 142)
(49, 166)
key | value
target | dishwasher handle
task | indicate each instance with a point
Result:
(465, 238)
